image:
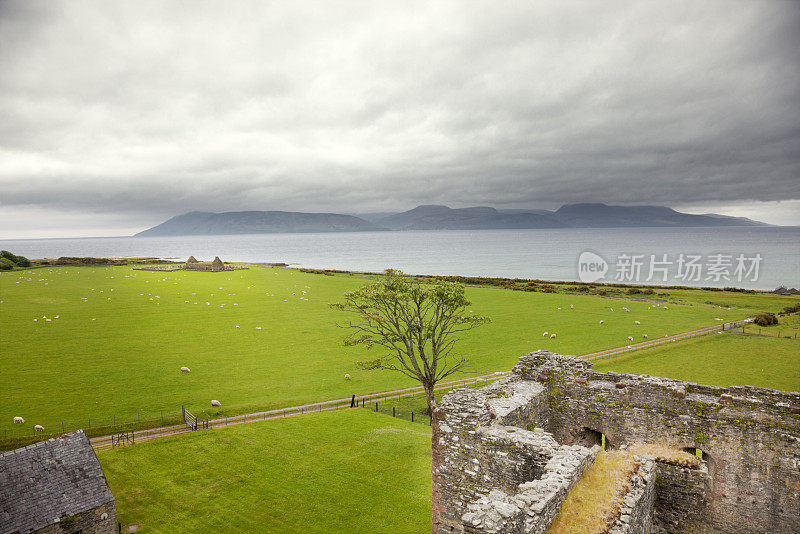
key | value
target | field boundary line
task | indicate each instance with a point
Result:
(105, 442)
(668, 339)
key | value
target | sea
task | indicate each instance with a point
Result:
(745, 257)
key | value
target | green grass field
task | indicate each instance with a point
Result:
(717, 359)
(788, 326)
(114, 352)
(345, 471)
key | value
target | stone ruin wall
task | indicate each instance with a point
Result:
(88, 522)
(504, 435)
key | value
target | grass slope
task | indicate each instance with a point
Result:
(348, 471)
(121, 336)
(718, 359)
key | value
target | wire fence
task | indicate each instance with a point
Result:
(93, 426)
(407, 403)
(768, 332)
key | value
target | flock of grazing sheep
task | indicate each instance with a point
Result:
(187, 299)
(637, 323)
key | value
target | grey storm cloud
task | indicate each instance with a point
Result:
(166, 107)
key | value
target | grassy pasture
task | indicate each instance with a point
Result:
(717, 359)
(115, 351)
(752, 302)
(346, 471)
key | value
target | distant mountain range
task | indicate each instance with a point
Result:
(258, 222)
(435, 217)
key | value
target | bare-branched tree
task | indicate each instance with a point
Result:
(417, 323)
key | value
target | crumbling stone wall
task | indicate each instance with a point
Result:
(750, 438)
(636, 512)
(682, 496)
(100, 520)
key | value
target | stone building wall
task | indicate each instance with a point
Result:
(89, 522)
(752, 442)
(636, 512)
(750, 438)
(681, 497)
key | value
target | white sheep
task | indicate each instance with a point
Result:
(612, 309)
(630, 338)
(347, 376)
(38, 428)
(546, 334)
(644, 336)
(19, 421)
(601, 321)
(552, 336)
(215, 402)
(636, 322)
(571, 307)
(666, 308)
(185, 370)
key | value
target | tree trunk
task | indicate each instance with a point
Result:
(429, 398)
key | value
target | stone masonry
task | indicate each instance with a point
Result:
(505, 456)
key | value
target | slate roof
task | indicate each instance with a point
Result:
(46, 480)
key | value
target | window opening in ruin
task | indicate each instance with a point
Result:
(588, 437)
(700, 453)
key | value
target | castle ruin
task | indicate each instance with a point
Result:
(506, 456)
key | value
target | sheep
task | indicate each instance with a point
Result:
(38, 428)
(546, 334)
(215, 402)
(601, 321)
(185, 370)
(571, 307)
(612, 309)
(552, 336)
(347, 377)
(630, 338)
(19, 421)
(644, 336)
(636, 322)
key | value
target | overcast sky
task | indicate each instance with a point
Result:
(115, 116)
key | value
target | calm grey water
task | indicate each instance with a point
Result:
(550, 254)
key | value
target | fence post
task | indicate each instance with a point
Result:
(90, 422)
(62, 426)
(412, 417)
(392, 411)
(115, 420)
(376, 406)
(162, 416)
